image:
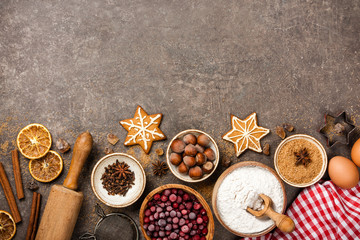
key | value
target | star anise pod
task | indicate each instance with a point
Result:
(121, 169)
(302, 157)
(159, 168)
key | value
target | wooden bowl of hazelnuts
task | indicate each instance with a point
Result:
(192, 155)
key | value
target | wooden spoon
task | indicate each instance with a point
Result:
(283, 222)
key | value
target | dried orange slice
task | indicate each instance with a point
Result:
(34, 141)
(47, 168)
(7, 226)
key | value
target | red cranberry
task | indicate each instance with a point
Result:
(188, 205)
(151, 227)
(180, 192)
(197, 206)
(186, 197)
(147, 212)
(205, 218)
(185, 229)
(204, 231)
(175, 220)
(173, 235)
(174, 191)
(146, 220)
(199, 220)
(203, 238)
(164, 198)
(157, 196)
(175, 205)
(172, 197)
(153, 209)
(184, 211)
(195, 227)
(179, 199)
(203, 211)
(196, 237)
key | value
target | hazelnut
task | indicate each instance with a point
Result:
(199, 148)
(178, 146)
(203, 140)
(182, 168)
(189, 161)
(190, 150)
(207, 167)
(200, 158)
(175, 158)
(209, 154)
(195, 172)
(189, 139)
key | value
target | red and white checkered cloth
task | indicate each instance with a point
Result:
(323, 211)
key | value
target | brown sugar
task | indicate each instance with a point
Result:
(299, 173)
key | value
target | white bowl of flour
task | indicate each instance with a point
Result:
(238, 188)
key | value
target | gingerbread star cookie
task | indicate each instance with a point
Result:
(245, 134)
(143, 129)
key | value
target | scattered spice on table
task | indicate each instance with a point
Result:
(279, 130)
(108, 150)
(288, 127)
(299, 173)
(62, 145)
(112, 138)
(33, 186)
(266, 149)
(159, 151)
(160, 168)
(118, 178)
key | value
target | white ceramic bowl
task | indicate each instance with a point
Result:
(317, 144)
(185, 177)
(134, 192)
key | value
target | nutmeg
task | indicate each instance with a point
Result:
(189, 139)
(190, 150)
(175, 158)
(189, 161)
(207, 167)
(199, 148)
(200, 159)
(195, 172)
(203, 140)
(178, 146)
(210, 154)
(182, 168)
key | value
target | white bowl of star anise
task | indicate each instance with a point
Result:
(118, 180)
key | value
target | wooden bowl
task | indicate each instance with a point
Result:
(134, 192)
(220, 180)
(317, 144)
(211, 226)
(185, 177)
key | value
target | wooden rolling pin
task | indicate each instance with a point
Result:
(64, 203)
(283, 222)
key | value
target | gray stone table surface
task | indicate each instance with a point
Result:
(86, 65)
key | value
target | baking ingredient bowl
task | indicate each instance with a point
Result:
(134, 192)
(148, 202)
(183, 176)
(237, 192)
(321, 151)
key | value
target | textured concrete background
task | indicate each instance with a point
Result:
(85, 65)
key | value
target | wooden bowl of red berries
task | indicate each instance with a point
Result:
(175, 211)
(192, 155)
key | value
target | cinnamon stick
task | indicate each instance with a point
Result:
(37, 212)
(9, 195)
(34, 216)
(17, 174)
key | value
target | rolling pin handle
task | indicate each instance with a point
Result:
(283, 222)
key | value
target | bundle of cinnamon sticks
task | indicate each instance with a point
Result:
(34, 216)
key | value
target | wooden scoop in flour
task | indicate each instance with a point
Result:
(283, 222)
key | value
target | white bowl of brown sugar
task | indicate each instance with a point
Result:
(300, 160)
